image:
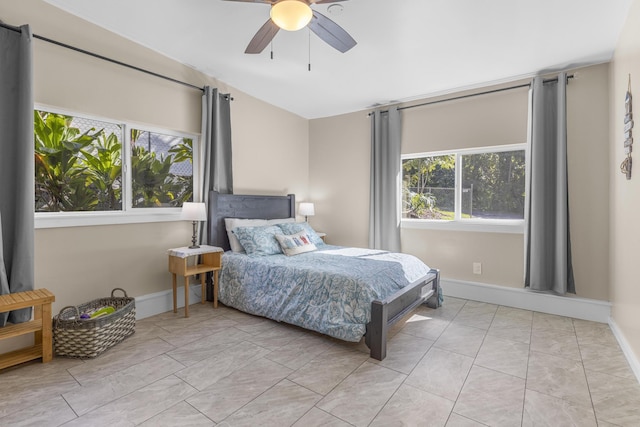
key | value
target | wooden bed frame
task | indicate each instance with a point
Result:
(384, 314)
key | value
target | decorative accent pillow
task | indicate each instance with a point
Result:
(296, 227)
(294, 244)
(259, 241)
(231, 223)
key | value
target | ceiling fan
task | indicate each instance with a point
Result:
(293, 15)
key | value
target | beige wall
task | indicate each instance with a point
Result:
(339, 176)
(270, 149)
(587, 157)
(82, 263)
(624, 196)
(454, 252)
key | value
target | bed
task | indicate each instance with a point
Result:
(325, 296)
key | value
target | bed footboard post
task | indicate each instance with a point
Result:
(434, 301)
(377, 333)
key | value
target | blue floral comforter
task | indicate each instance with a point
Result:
(329, 290)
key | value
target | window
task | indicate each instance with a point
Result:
(78, 164)
(493, 185)
(161, 169)
(86, 167)
(477, 186)
(428, 187)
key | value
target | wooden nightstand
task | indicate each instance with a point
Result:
(322, 236)
(211, 261)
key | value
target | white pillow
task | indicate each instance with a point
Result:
(231, 223)
(280, 221)
(294, 244)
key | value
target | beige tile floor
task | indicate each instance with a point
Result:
(465, 364)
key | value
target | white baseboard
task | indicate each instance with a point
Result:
(570, 306)
(634, 363)
(161, 302)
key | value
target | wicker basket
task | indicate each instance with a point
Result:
(74, 337)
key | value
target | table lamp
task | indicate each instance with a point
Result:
(193, 212)
(307, 210)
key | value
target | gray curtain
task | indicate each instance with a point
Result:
(384, 215)
(16, 167)
(216, 137)
(547, 241)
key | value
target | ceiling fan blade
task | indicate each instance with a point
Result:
(332, 33)
(263, 37)
(314, 2)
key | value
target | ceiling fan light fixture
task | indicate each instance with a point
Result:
(291, 15)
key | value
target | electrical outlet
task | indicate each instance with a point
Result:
(477, 268)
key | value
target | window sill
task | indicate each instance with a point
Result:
(484, 226)
(85, 219)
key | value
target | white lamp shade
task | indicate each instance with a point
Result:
(291, 15)
(193, 211)
(306, 209)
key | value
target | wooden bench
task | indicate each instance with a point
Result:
(40, 300)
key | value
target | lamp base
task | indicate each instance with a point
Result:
(194, 238)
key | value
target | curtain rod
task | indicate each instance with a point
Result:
(570, 76)
(104, 58)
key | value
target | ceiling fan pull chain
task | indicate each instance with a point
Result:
(271, 49)
(309, 65)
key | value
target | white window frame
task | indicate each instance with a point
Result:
(515, 226)
(128, 214)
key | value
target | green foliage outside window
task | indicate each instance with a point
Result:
(160, 180)
(428, 187)
(496, 182)
(492, 186)
(75, 171)
(81, 170)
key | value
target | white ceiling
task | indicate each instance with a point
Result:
(407, 49)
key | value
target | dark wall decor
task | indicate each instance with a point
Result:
(625, 167)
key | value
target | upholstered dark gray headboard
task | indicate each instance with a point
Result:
(223, 206)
